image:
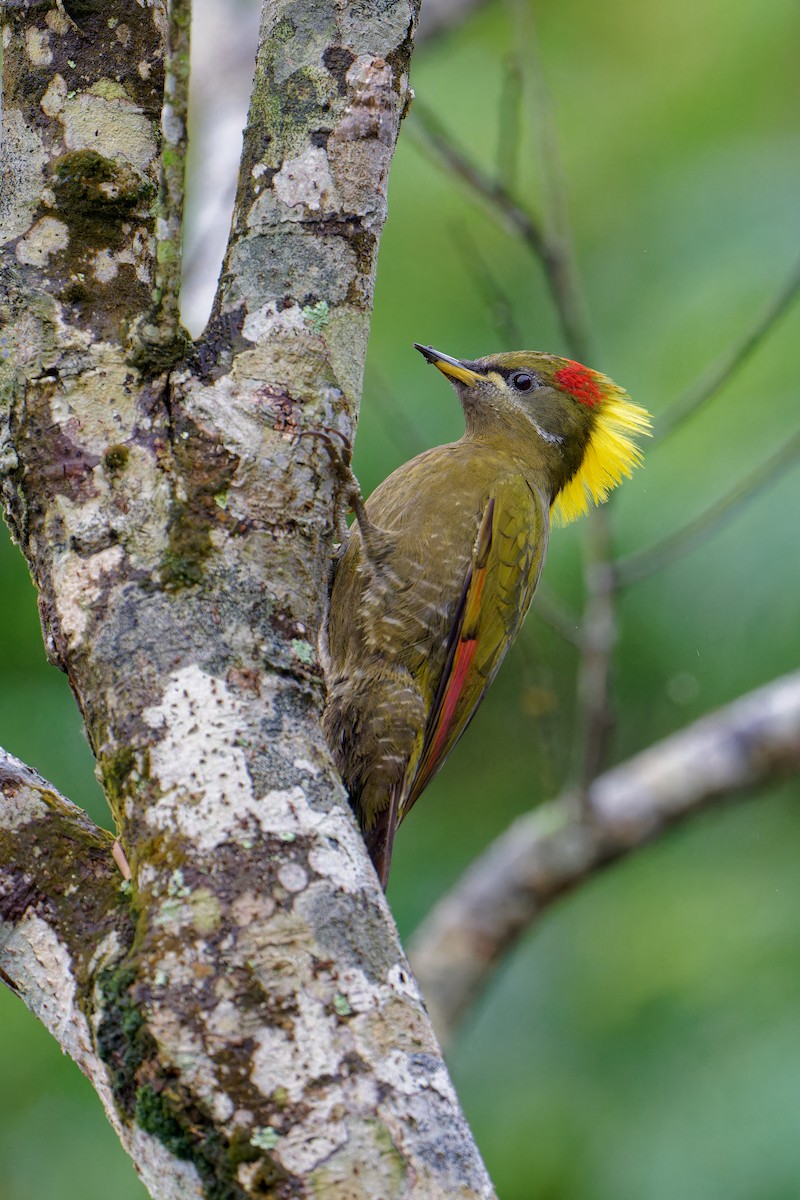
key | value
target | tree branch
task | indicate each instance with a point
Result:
(65, 916)
(599, 625)
(718, 374)
(559, 261)
(226, 48)
(57, 876)
(440, 16)
(642, 563)
(162, 332)
(429, 133)
(750, 743)
(263, 1033)
(597, 638)
(551, 243)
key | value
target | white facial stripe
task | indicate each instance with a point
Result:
(552, 438)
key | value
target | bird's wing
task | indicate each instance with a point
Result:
(496, 594)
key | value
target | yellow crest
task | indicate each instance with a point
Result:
(611, 454)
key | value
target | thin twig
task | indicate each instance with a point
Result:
(398, 422)
(440, 16)
(553, 247)
(497, 300)
(635, 567)
(598, 637)
(544, 854)
(550, 610)
(509, 133)
(598, 633)
(717, 375)
(431, 135)
(563, 276)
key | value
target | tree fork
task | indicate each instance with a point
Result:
(258, 1032)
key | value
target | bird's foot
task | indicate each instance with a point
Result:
(348, 492)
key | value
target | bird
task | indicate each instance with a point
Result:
(439, 568)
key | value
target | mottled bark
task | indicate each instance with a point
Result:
(66, 923)
(753, 742)
(253, 1030)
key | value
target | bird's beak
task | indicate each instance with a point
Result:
(462, 371)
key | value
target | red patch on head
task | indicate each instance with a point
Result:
(580, 382)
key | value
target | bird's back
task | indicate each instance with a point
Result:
(393, 621)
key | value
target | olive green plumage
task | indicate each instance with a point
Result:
(457, 538)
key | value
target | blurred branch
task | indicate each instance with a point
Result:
(509, 125)
(598, 627)
(223, 50)
(440, 16)
(635, 567)
(430, 134)
(750, 743)
(563, 276)
(712, 380)
(396, 419)
(432, 137)
(550, 609)
(497, 300)
(597, 640)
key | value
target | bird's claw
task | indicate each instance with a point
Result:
(348, 493)
(327, 435)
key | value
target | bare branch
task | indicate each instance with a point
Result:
(597, 639)
(497, 300)
(717, 375)
(62, 906)
(551, 610)
(552, 246)
(638, 566)
(598, 627)
(562, 268)
(227, 49)
(750, 743)
(509, 127)
(440, 16)
(432, 137)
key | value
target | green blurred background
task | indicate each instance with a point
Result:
(645, 1043)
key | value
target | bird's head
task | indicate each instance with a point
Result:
(574, 425)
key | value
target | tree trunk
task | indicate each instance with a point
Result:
(242, 1005)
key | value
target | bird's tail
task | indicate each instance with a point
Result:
(380, 838)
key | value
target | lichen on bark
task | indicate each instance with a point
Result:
(256, 1031)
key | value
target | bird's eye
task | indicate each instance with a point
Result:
(522, 381)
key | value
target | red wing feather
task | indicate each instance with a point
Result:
(461, 651)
